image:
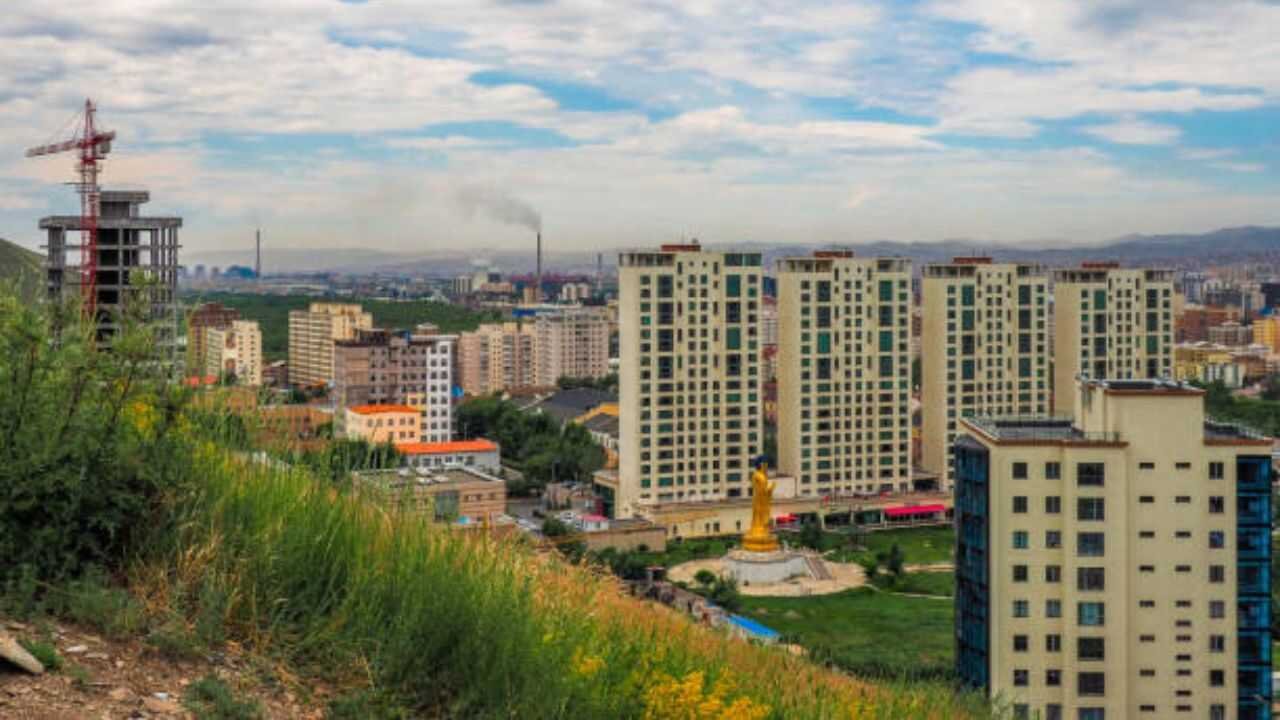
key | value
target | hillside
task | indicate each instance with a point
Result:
(20, 265)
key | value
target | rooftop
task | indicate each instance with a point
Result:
(447, 448)
(381, 409)
(1037, 428)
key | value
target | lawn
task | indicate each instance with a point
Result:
(272, 314)
(942, 584)
(920, 545)
(866, 632)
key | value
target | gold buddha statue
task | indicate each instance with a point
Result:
(758, 538)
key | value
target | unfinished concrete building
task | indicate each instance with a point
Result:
(137, 257)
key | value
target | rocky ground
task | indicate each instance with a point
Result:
(109, 680)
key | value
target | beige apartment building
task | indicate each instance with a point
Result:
(400, 368)
(984, 349)
(690, 385)
(844, 373)
(235, 350)
(571, 342)
(383, 423)
(1110, 323)
(1115, 565)
(203, 317)
(312, 333)
(497, 357)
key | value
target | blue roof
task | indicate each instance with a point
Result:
(753, 627)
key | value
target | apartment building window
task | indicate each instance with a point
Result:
(1217, 678)
(1090, 648)
(1146, 466)
(1217, 609)
(1217, 540)
(1090, 509)
(1146, 499)
(1217, 505)
(1019, 503)
(1052, 471)
(1052, 677)
(1091, 614)
(1182, 465)
(1052, 505)
(1020, 540)
(1091, 544)
(1217, 573)
(1053, 539)
(1021, 608)
(1053, 711)
(1217, 643)
(1053, 608)
(1019, 643)
(1091, 579)
(1052, 573)
(1021, 678)
(1217, 712)
(1091, 684)
(1216, 471)
(1019, 573)
(1053, 643)
(1091, 474)
(1019, 471)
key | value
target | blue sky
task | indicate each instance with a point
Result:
(338, 124)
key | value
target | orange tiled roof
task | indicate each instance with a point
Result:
(380, 409)
(447, 448)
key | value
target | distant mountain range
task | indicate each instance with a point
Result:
(1185, 251)
(21, 266)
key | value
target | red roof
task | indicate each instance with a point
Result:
(198, 380)
(380, 409)
(448, 448)
(914, 510)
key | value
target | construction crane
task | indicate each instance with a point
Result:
(93, 145)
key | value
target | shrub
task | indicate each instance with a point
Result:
(88, 441)
(45, 652)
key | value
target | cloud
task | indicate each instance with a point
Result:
(1135, 132)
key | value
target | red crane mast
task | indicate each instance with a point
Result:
(93, 145)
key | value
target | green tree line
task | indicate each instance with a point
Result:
(534, 443)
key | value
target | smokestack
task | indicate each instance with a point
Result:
(257, 260)
(537, 280)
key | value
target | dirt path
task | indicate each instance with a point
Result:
(107, 680)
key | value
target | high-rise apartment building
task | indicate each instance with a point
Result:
(1110, 323)
(379, 367)
(984, 349)
(207, 315)
(571, 342)
(235, 350)
(312, 333)
(690, 384)
(1117, 565)
(497, 357)
(134, 268)
(844, 373)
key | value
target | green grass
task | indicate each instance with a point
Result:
(920, 545)
(272, 314)
(941, 584)
(456, 625)
(45, 652)
(865, 631)
(209, 698)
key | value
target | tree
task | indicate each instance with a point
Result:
(724, 592)
(811, 536)
(893, 562)
(704, 577)
(555, 528)
(870, 566)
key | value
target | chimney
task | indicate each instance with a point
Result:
(537, 279)
(257, 260)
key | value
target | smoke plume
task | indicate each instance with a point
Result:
(499, 205)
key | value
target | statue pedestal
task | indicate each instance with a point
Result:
(762, 568)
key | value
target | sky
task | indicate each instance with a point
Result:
(412, 126)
